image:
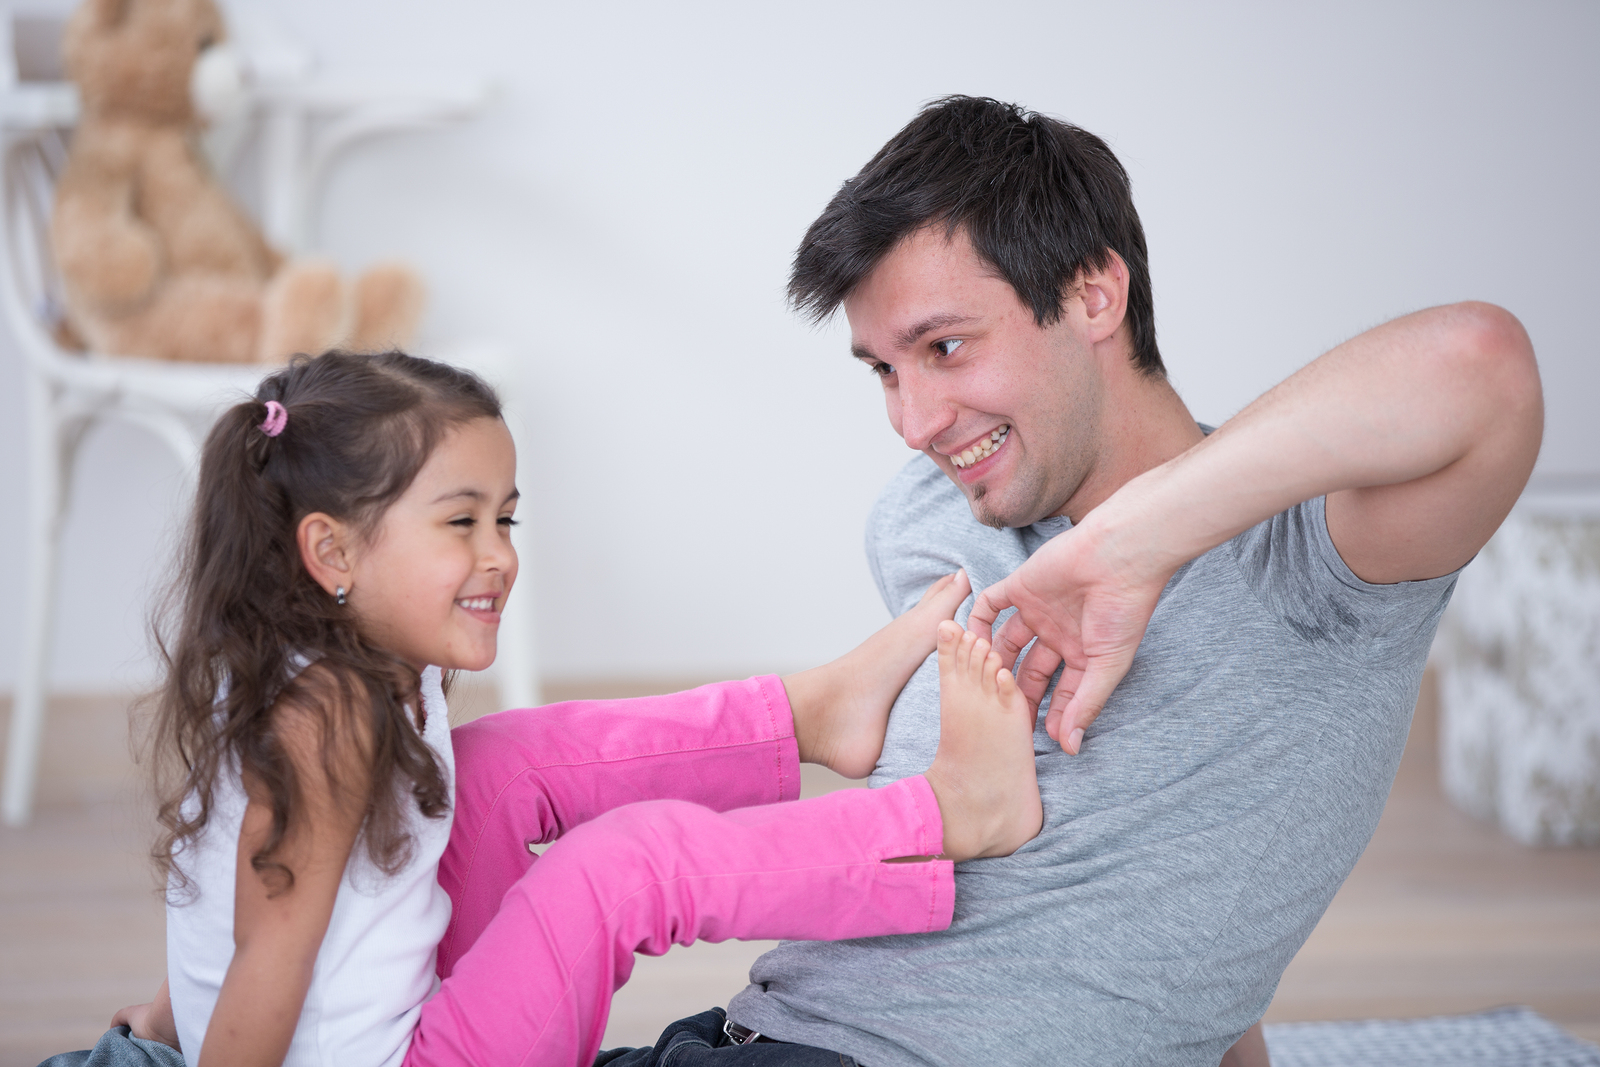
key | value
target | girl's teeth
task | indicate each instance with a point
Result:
(983, 449)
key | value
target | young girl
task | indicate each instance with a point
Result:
(351, 538)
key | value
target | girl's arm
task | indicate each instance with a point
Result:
(278, 923)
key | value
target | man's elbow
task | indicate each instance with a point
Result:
(1489, 351)
(1495, 378)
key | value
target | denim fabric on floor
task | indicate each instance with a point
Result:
(116, 1048)
(698, 1041)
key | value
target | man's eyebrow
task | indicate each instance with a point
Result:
(910, 335)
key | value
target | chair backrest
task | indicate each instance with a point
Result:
(31, 293)
(35, 48)
(37, 111)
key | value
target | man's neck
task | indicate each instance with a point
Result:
(1143, 425)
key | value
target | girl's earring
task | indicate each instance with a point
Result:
(338, 596)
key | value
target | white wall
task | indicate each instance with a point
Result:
(625, 214)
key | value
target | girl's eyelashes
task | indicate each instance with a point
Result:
(467, 521)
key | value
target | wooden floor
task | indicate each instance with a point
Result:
(1443, 914)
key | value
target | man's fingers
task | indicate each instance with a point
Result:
(1067, 686)
(986, 608)
(1099, 680)
(1012, 638)
(1033, 676)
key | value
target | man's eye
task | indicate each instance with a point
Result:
(948, 346)
(882, 370)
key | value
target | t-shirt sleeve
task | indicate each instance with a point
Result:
(1291, 564)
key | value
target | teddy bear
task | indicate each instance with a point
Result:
(156, 259)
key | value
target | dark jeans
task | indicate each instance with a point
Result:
(698, 1041)
(118, 1049)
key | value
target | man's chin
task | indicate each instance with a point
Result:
(988, 509)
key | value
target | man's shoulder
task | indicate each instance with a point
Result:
(909, 530)
(918, 491)
(922, 528)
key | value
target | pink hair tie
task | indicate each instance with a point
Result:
(277, 418)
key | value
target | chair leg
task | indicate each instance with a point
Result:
(517, 656)
(49, 453)
(516, 668)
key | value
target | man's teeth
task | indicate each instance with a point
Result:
(478, 603)
(983, 449)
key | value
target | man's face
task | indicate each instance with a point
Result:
(1008, 409)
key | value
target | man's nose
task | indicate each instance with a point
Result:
(924, 412)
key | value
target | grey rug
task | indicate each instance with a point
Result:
(1505, 1037)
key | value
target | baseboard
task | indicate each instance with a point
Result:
(87, 754)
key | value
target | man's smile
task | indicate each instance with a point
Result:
(982, 448)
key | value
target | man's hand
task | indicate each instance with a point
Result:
(152, 1021)
(1087, 595)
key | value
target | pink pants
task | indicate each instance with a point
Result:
(663, 840)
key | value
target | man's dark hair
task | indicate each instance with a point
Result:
(1040, 199)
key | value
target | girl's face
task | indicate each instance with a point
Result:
(431, 583)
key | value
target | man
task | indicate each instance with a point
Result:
(1243, 617)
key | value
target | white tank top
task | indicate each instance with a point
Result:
(375, 966)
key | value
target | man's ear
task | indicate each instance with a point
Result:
(327, 548)
(1105, 297)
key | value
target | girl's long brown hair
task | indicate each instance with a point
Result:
(245, 613)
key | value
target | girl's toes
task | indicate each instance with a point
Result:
(991, 668)
(980, 651)
(964, 653)
(948, 594)
(1012, 697)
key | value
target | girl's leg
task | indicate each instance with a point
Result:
(526, 777)
(529, 776)
(536, 989)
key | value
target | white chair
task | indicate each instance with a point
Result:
(303, 125)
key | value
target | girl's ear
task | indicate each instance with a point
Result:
(327, 550)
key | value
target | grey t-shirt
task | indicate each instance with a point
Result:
(1221, 798)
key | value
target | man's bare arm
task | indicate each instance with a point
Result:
(1421, 432)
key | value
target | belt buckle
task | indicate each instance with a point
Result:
(739, 1035)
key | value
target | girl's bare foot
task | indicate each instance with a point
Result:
(983, 774)
(841, 709)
